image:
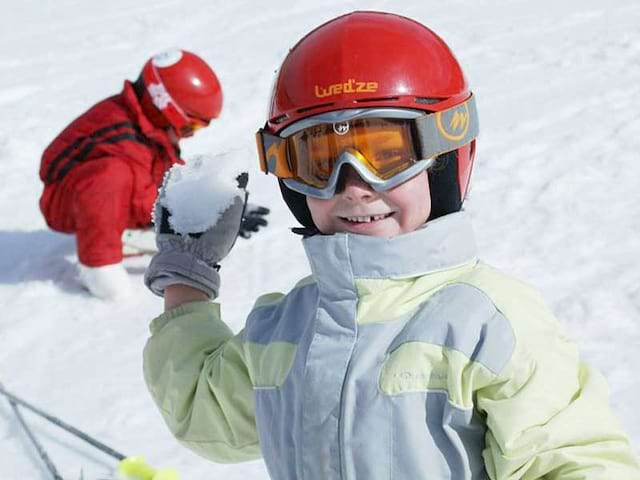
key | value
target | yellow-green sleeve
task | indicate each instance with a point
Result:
(196, 372)
(548, 414)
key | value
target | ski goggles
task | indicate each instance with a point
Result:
(192, 127)
(385, 146)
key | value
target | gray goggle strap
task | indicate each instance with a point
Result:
(448, 130)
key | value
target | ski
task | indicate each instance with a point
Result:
(138, 242)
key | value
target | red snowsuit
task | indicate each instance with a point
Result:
(101, 175)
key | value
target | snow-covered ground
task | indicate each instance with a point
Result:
(556, 195)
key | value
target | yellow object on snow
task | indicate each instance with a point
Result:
(136, 468)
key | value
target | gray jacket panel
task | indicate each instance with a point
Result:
(329, 419)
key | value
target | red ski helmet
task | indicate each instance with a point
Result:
(180, 90)
(373, 60)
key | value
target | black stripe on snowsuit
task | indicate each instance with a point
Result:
(80, 156)
(91, 141)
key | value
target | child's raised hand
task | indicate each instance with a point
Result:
(197, 218)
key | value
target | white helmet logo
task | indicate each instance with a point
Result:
(341, 128)
(166, 59)
(159, 95)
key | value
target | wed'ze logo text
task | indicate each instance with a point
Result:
(350, 86)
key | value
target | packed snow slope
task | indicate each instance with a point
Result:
(555, 200)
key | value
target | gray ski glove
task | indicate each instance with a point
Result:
(191, 258)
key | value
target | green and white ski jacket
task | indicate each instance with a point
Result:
(402, 358)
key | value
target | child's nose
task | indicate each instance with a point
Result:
(352, 186)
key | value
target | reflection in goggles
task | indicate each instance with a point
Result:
(384, 146)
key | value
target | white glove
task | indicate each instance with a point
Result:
(108, 282)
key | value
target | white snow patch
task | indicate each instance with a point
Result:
(16, 94)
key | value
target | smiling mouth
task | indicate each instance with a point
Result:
(366, 218)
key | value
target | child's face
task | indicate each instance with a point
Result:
(360, 209)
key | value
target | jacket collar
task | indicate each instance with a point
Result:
(441, 244)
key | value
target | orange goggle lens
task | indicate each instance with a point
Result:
(194, 125)
(384, 146)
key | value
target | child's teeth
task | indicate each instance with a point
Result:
(366, 219)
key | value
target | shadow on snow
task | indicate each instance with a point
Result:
(40, 255)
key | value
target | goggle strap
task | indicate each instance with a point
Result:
(168, 107)
(260, 146)
(447, 130)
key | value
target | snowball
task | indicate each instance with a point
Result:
(197, 193)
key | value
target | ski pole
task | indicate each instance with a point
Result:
(56, 421)
(41, 451)
(129, 467)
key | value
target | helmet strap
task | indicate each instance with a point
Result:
(444, 187)
(297, 203)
